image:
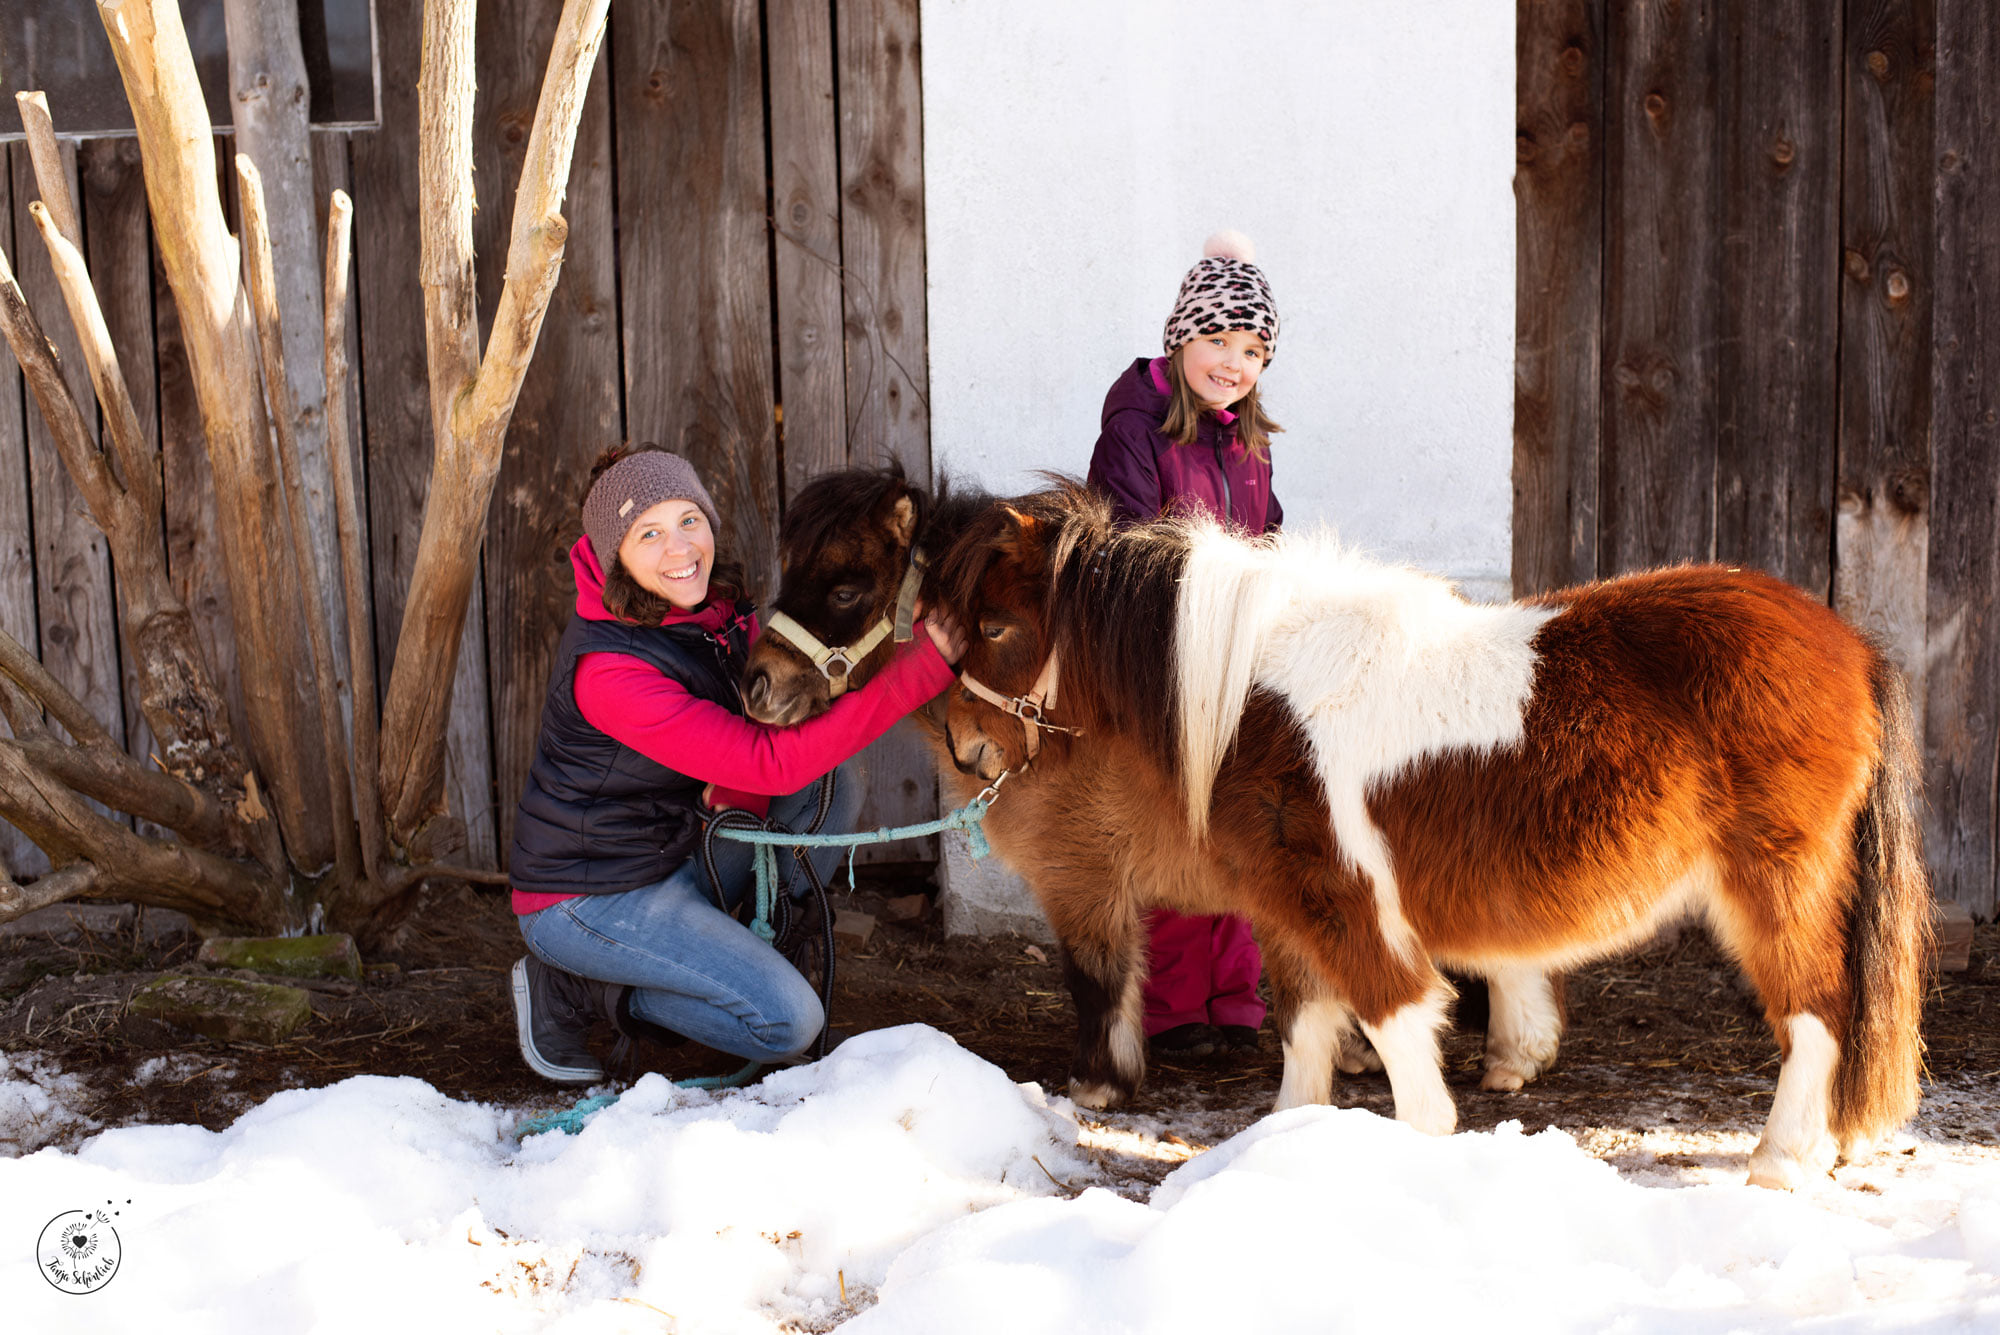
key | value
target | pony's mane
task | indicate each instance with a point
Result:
(832, 502)
(1116, 588)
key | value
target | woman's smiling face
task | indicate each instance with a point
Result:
(670, 551)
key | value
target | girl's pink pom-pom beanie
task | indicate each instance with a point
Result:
(1223, 291)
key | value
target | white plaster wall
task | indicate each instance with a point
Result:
(1077, 153)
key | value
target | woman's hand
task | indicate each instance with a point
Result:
(944, 632)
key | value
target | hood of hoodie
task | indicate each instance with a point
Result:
(711, 616)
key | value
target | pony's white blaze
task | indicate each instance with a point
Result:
(1318, 1032)
(1795, 1144)
(1221, 610)
(1523, 1029)
(1408, 1045)
(1384, 666)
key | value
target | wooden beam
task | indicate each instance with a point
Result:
(1887, 251)
(1963, 648)
(805, 221)
(1661, 298)
(1778, 363)
(693, 250)
(1559, 292)
(882, 234)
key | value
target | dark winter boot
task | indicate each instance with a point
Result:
(553, 1011)
(627, 1058)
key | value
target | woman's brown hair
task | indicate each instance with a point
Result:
(624, 597)
(1254, 427)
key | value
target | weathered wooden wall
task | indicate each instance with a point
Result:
(744, 283)
(1758, 251)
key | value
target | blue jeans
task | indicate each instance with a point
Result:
(695, 969)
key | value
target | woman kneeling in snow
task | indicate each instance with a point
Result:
(642, 729)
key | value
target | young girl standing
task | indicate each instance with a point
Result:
(1186, 432)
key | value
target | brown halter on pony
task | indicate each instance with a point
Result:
(1032, 708)
(837, 662)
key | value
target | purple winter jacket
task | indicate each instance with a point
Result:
(1145, 474)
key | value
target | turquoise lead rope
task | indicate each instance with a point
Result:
(767, 842)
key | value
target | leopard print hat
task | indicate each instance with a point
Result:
(1224, 291)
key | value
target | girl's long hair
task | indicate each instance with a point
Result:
(624, 597)
(1254, 427)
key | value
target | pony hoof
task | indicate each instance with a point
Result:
(1095, 1095)
(1505, 1079)
(1776, 1170)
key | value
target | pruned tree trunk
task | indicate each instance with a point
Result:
(204, 267)
(302, 817)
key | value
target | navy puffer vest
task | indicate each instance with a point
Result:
(596, 816)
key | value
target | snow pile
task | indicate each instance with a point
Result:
(38, 1102)
(903, 1185)
(1326, 1219)
(379, 1203)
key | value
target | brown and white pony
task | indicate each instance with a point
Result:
(1389, 776)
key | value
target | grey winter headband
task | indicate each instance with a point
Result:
(632, 486)
(1224, 291)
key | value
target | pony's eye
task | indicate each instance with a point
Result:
(845, 597)
(992, 632)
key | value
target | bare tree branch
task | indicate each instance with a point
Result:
(347, 514)
(139, 461)
(270, 341)
(122, 783)
(49, 174)
(471, 402)
(79, 878)
(165, 873)
(16, 662)
(74, 440)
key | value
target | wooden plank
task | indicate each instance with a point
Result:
(17, 551)
(1559, 291)
(882, 233)
(396, 400)
(1882, 492)
(694, 259)
(79, 636)
(878, 58)
(805, 216)
(1963, 650)
(118, 240)
(1778, 371)
(569, 410)
(1657, 487)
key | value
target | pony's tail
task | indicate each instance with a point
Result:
(1220, 617)
(1889, 934)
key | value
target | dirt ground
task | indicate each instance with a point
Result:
(1661, 1040)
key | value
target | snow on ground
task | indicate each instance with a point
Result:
(904, 1185)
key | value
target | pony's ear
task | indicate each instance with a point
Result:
(903, 519)
(1022, 543)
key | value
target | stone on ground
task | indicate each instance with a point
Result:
(230, 1009)
(330, 956)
